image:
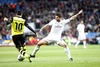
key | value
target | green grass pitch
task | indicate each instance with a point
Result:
(52, 56)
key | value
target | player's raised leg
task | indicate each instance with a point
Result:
(37, 47)
(63, 44)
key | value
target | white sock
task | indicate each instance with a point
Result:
(84, 42)
(68, 52)
(77, 43)
(35, 50)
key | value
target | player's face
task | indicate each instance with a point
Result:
(57, 18)
(82, 22)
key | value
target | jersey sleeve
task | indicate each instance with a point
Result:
(66, 21)
(51, 22)
(11, 19)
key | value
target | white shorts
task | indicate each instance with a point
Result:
(54, 40)
(81, 37)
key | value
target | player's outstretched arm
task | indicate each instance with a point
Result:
(43, 28)
(9, 21)
(73, 17)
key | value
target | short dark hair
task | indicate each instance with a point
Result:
(58, 14)
(19, 12)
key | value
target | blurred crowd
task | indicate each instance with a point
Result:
(41, 12)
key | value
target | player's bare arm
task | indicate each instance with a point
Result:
(45, 26)
(73, 17)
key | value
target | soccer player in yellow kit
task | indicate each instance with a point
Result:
(17, 29)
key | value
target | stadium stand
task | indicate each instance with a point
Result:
(41, 12)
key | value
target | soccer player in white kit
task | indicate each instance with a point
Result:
(58, 25)
(81, 34)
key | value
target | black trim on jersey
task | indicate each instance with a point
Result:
(29, 27)
(24, 24)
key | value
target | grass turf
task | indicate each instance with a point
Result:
(52, 56)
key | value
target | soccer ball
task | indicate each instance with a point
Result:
(20, 57)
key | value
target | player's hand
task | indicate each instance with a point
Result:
(36, 35)
(80, 11)
(40, 31)
(5, 19)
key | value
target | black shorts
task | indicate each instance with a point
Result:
(18, 40)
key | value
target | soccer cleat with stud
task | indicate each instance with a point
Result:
(29, 59)
(32, 56)
(20, 57)
(71, 59)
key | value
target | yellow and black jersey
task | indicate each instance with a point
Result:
(17, 26)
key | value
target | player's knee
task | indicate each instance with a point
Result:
(41, 43)
(65, 45)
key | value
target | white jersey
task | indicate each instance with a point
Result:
(57, 29)
(81, 31)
